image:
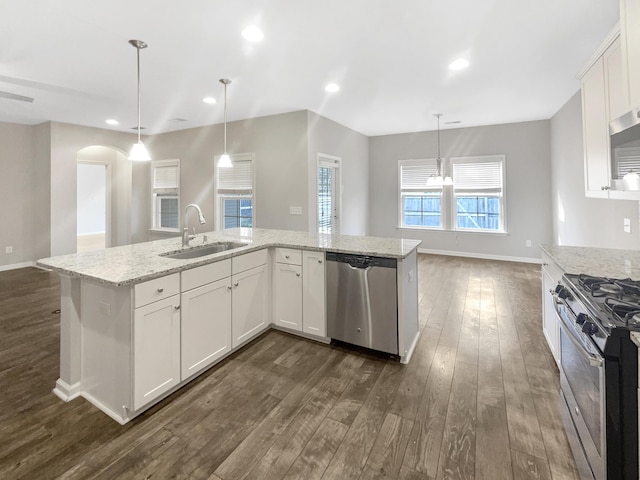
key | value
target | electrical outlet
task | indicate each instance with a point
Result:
(627, 225)
(295, 210)
(528, 243)
(8, 250)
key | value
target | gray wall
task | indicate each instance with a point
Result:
(279, 143)
(578, 220)
(528, 186)
(331, 138)
(17, 164)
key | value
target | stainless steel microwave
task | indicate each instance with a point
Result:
(625, 151)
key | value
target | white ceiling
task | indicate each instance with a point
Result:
(390, 59)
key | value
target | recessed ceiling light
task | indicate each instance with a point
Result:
(332, 87)
(209, 100)
(459, 64)
(252, 34)
(112, 121)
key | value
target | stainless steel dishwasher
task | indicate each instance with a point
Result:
(362, 301)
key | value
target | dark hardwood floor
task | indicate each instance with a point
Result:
(479, 399)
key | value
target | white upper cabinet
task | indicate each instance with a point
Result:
(630, 34)
(616, 82)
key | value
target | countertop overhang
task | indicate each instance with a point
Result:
(131, 264)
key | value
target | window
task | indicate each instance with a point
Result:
(420, 206)
(475, 202)
(235, 193)
(328, 194)
(478, 185)
(165, 181)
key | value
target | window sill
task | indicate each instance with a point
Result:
(164, 230)
(499, 233)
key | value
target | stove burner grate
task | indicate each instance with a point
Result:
(626, 312)
(626, 289)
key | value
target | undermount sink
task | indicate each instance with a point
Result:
(203, 250)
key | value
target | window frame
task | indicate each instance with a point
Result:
(448, 204)
(407, 190)
(155, 191)
(240, 194)
(501, 194)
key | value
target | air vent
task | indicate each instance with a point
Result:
(452, 122)
(13, 96)
(178, 120)
(136, 128)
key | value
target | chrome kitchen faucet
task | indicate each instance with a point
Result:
(185, 231)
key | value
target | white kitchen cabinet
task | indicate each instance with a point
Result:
(205, 326)
(314, 320)
(551, 275)
(156, 350)
(288, 296)
(616, 83)
(630, 35)
(248, 304)
(595, 127)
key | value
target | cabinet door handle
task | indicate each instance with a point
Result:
(229, 287)
(177, 307)
(552, 291)
(160, 290)
(545, 264)
(297, 274)
(286, 256)
(605, 187)
(319, 261)
(236, 284)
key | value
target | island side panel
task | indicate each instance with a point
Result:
(68, 386)
(408, 326)
(106, 348)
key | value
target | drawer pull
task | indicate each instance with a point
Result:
(319, 261)
(177, 307)
(236, 284)
(160, 290)
(286, 256)
(229, 287)
(297, 274)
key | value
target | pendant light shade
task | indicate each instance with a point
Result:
(438, 180)
(225, 160)
(138, 151)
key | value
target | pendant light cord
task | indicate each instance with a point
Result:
(138, 50)
(225, 117)
(438, 160)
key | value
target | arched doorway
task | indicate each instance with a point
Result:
(103, 198)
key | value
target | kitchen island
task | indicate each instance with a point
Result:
(137, 324)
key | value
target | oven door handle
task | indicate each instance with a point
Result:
(594, 361)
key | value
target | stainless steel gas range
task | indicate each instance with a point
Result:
(599, 373)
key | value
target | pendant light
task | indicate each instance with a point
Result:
(138, 152)
(438, 180)
(225, 160)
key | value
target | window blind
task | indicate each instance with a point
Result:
(236, 180)
(485, 177)
(627, 159)
(414, 176)
(165, 176)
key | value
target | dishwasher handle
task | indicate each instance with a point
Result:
(361, 261)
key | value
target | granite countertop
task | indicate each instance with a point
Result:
(601, 262)
(130, 264)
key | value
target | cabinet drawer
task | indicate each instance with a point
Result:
(289, 255)
(247, 261)
(199, 276)
(156, 289)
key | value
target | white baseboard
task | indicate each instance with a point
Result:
(67, 392)
(484, 256)
(15, 266)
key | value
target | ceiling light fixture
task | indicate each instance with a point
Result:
(438, 180)
(459, 64)
(252, 34)
(138, 152)
(209, 100)
(112, 121)
(225, 160)
(332, 88)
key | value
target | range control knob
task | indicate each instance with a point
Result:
(562, 292)
(590, 328)
(581, 318)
